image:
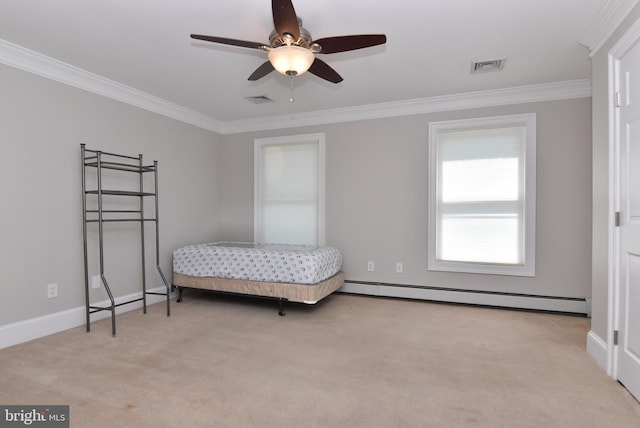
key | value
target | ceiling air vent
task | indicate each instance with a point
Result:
(487, 66)
(259, 99)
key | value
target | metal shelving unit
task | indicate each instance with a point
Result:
(99, 161)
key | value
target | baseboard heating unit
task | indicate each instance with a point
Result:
(572, 305)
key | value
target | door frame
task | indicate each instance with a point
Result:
(619, 50)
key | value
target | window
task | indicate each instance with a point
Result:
(289, 190)
(482, 195)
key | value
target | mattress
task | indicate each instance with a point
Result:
(279, 263)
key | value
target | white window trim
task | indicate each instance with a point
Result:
(259, 143)
(528, 269)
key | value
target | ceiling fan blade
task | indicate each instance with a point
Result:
(324, 71)
(261, 71)
(232, 42)
(285, 19)
(349, 43)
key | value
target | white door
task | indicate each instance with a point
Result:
(628, 132)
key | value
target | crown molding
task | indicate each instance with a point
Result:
(490, 98)
(610, 17)
(33, 62)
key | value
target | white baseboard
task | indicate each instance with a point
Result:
(597, 349)
(518, 301)
(34, 328)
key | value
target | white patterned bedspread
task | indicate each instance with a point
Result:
(296, 264)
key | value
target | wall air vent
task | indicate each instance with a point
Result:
(487, 66)
(259, 99)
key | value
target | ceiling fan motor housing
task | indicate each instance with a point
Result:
(277, 40)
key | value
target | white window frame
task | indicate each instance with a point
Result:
(528, 267)
(259, 144)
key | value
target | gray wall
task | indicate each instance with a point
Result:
(601, 172)
(376, 197)
(376, 193)
(42, 126)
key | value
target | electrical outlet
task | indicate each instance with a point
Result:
(52, 290)
(371, 266)
(399, 267)
(95, 281)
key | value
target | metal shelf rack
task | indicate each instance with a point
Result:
(99, 161)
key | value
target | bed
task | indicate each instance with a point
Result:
(287, 273)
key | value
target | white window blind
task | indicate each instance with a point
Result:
(289, 190)
(482, 195)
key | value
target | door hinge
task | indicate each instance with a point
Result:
(615, 337)
(617, 218)
(616, 99)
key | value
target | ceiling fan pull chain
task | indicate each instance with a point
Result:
(291, 99)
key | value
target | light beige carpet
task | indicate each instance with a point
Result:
(350, 361)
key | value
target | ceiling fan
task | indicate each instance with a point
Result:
(291, 50)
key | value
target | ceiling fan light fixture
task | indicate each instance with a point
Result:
(291, 49)
(291, 60)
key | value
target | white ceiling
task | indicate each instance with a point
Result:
(145, 45)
